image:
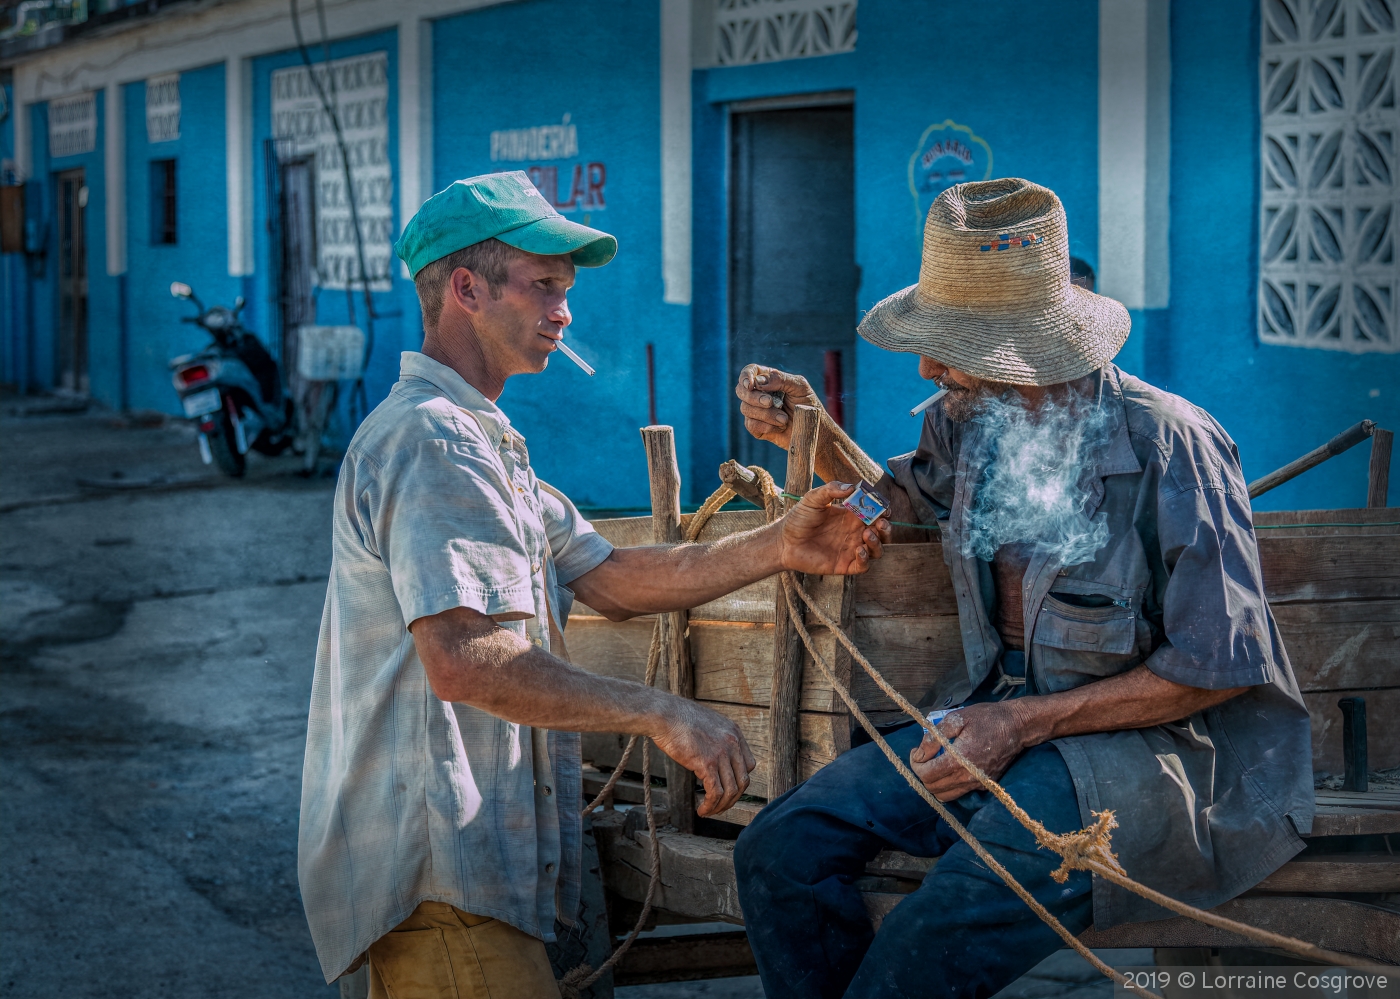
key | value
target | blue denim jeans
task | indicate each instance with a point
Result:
(962, 935)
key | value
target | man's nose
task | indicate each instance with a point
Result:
(930, 369)
(560, 313)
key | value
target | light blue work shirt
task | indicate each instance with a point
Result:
(405, 797)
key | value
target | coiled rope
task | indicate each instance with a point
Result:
(1088, 849)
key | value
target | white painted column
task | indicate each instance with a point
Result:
(415, 118)
(114, 170)
(675, 150)
(238, 163)
(1135, 152)
(22, 116)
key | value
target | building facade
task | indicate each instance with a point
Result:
(1228, 171)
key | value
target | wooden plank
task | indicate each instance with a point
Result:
(1336, 872)
(685, 958)
(1358, 516)
(1384, 744)
(906, 581)
(752, 603)
(821, 738)
(1334, 923)
(1330, 568)
(731, 659)
(664, 476)
(1342, 644)
(697, 872)
(627, 791)
(1378, 473)
(788, 652)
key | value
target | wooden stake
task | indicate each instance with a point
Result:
(788, 650)
(1378, 483)
(665, 477)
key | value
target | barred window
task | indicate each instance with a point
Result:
(1329, 202)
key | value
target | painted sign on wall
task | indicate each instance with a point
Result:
(358, 87)
(73, 125)
(163, 108)
(569, 187)
(947, 154)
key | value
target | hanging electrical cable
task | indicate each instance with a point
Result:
(359, 403)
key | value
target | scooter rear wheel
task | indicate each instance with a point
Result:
(224, 445)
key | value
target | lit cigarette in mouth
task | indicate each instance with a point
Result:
(928, 402)
(587, 368)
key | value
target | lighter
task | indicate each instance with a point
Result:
(866, 503)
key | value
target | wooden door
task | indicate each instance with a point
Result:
(71, 190)
(793, 278)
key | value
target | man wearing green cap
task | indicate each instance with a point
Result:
(440, 827)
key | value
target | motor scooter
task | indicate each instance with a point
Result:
(232, 389)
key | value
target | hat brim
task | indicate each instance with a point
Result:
(1057, 344)
(556, 236)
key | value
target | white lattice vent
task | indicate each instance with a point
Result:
(748, 31)
(1329, 200)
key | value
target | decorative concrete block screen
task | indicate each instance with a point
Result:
(771, 30)
(1329, 202)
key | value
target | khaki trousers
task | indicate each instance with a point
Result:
(441, 952)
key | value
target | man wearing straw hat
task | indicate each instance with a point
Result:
(440, 816)
(1119, 652)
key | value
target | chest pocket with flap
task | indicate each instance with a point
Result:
(1073, 645)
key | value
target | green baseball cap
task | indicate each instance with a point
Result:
(505, 206)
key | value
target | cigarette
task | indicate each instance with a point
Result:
(587, 368)
(928, 402)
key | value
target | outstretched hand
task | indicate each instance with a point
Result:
(822, 538)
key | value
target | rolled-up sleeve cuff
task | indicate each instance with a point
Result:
(584, 553)
(902, 470)
(501, 603)
(1170, 663)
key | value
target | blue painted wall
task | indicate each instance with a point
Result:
(489, 74)
(199, 256)
(1277, 402)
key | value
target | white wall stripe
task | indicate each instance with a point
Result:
(415, 173)
(1135, 152)
(238, 163)
(675, 150)
(114, 172)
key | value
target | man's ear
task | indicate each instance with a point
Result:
(466, 290)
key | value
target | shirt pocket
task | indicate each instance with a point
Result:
(1072, 646)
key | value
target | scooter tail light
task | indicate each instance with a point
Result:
(193, 375)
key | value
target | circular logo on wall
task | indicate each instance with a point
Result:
(947, 154)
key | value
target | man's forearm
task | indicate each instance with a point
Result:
(668, 577)
(1138, 698)
(475, 662)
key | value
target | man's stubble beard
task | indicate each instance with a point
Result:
(962, 404)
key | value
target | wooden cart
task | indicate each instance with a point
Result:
(1332, 578)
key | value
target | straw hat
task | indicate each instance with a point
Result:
(994, 297)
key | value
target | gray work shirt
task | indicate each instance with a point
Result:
(1204, 805)
(405, 797)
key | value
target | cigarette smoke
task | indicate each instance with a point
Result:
(1029, 488)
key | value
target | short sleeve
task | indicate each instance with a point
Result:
(1214, 611)
(444, 521)
(576, 547)
(928, 473)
